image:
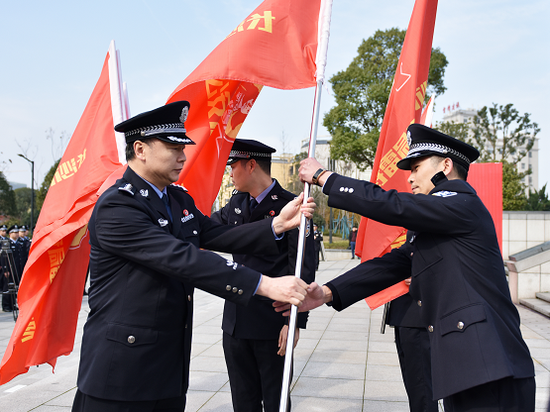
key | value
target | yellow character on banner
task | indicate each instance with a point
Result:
(29, 331)
(56, 255)
(420, 94)
(401, 147)
(219, 103)
(268, 22)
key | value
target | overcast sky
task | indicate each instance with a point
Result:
(53, 52)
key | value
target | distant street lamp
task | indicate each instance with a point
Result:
(32, 189)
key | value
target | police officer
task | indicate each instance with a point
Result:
(12, 270)
(25, 243)
(4, 268)
(147, 239)
(254, 338)
(479, 359)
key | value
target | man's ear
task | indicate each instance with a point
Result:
(139, 149)
(251, 164)
(448, 166)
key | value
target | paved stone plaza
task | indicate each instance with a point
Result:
(342, 362)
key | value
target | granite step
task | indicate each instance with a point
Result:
(538, 305)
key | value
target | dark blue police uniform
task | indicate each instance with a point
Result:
(251, 333)
(458, 279)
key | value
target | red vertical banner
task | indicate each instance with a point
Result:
(50, 294)
(486, 179)
(404, 107)
(275, 46)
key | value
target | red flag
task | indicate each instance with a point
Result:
(50, 294)
(275, 46)
(404, 107)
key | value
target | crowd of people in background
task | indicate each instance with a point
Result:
(13, 258)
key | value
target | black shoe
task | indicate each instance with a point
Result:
(7, 310)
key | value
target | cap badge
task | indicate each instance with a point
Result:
(238, 211)
(162, 222)
(184, 114)
(144, 192)
(409, 139)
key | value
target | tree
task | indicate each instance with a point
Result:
(44, 187)
(513, 190)
(500, 134)
(8, 205)
(538, 200)
(362, 92)
(23, 202)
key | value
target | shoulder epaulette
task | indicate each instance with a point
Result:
(128, 188)
(235, 191)
(180, 187)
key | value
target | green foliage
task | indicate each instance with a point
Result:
(501, 133)
(362, 92)
(538, 200)
(40, 196)
(513, 189)
(23, 201)
(8, 205)
(458, 130)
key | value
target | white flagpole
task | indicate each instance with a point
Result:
(119, 99)
(321, 60)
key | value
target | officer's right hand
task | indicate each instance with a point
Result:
(288, 289)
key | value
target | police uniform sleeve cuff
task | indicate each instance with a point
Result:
(336, 301)
(329, 182)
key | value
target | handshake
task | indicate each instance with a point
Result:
(290, 290)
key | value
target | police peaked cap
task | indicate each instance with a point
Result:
(13, 229)
(167, 123)
(249, 149)
(23, 228)
(424, 141)
(4, 227)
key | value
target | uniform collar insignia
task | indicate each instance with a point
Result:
(238, 211)
(162, 222)
(144, 192)
(274, 197)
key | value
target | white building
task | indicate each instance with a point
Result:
(530, 161)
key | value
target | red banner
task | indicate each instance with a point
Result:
(50, 294)
(275, 46)
(404, 107)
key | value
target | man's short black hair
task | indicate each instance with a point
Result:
(130, 152)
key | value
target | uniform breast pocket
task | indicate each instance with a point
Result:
(460, 319)
(131, 336)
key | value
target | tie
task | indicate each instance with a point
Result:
(253, 204)
(166, 202)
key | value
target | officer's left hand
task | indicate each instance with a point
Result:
(283, 336)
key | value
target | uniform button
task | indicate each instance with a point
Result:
(351, 189)
(430, 328)
(131, 339)
(240, 292)
(419, 303)
(346, 189)
(189, 298)
(186, 326)
(460, 325)
(228, 288)
(234, 289)
(342, 189)
(195, 232)
(412, 253)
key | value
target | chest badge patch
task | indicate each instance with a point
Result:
(162, 222)
(445, 193)
(186, 216)
(271, 213)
